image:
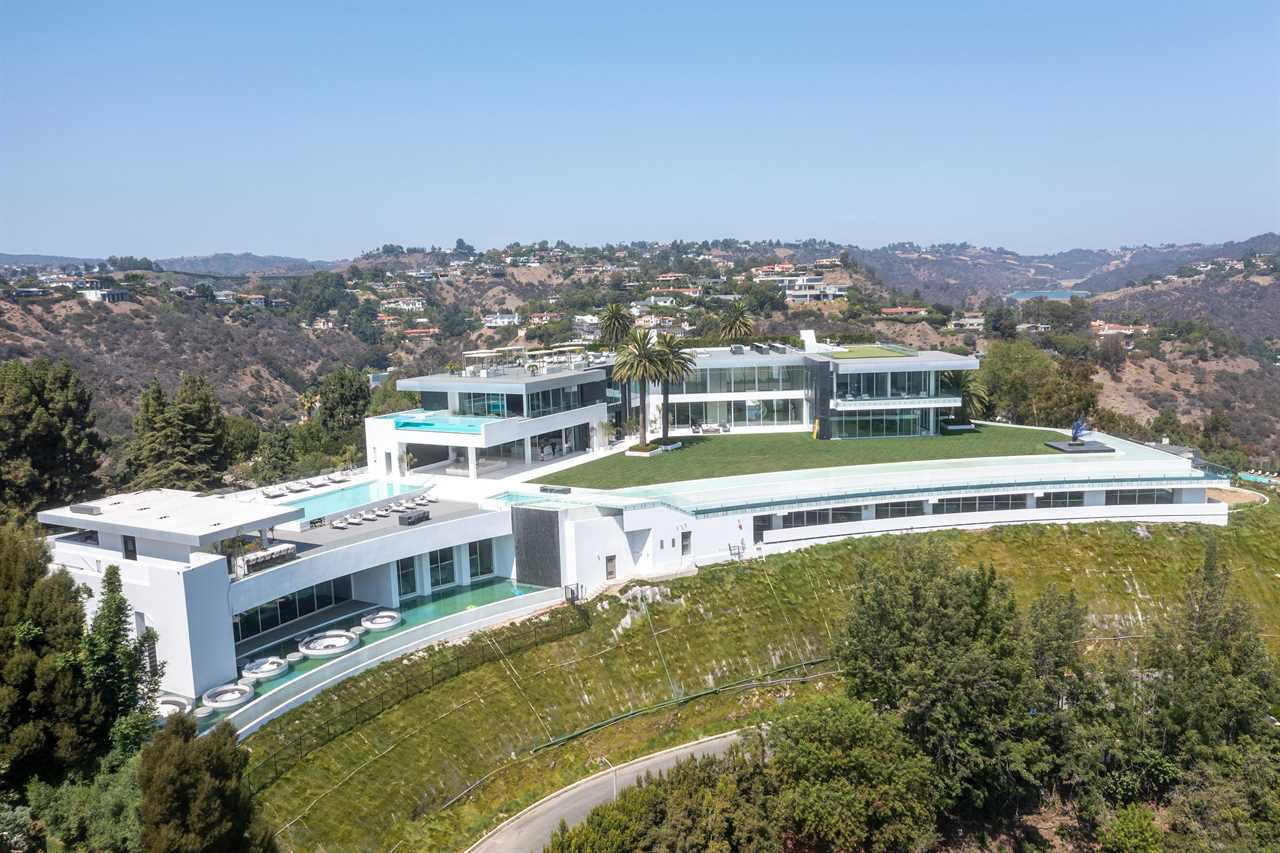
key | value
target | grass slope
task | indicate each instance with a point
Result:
(383, 783)
(724, 456)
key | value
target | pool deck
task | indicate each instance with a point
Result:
(325, 537)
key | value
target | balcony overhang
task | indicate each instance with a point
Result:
(839, 405)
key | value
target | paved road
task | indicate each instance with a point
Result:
(529, 831)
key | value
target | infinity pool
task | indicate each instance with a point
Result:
(350, 497)
(440, 421)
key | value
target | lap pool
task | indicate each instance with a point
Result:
(350, 497)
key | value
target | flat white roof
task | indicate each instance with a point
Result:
(172, 515)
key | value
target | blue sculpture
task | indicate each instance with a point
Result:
(1077, 429)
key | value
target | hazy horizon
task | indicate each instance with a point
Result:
(323, 132)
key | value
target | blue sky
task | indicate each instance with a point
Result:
(323, 130)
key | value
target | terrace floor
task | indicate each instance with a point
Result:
(705, 457)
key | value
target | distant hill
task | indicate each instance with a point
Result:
(226, 263)
(961, 272)
(42, 260)
(257, 366)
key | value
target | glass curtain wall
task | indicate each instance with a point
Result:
(912, 384)
(554, 400)
(737, 380)
(289, 607)
(739, 413)
(881, 423)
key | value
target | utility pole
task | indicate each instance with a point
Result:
(615, 776)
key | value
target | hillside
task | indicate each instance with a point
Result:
(960, 272)
(257, 367)
(1247, 305)
(389, 781)
(225, 263)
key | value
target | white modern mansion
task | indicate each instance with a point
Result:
(262, 598)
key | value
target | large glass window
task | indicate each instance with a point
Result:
(554, 400)
(480, 558)
(485, 405)
(1134, 497)
(290, 607)
(442, 573)
(812, 517)
(744, 379)
(980, 503)
(1058, 500)
(877, 423)
(899, 509)
(407, 576)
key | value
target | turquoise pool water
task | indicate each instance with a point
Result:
(440, 421)
(341, 500)
(415, 611)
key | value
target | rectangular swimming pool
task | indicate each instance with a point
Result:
(441, 421)
(350, 497)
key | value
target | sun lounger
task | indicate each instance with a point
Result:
(397, 507)
(317, 482)
(274, 492)
(296, 487)
(337, 477)
(338, 524)
(369, 516)
(353, 519)
(382, 512)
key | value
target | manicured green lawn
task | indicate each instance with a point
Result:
(703, 457)
(866, 351)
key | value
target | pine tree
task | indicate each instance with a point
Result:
(181, 443)
(49, 722)
(115, 666)
(193, 794)
(49, 447)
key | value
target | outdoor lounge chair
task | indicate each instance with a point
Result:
(296, 487)
(317, 482)
(337, 477)
(338, 524)
(724, 427)
(382, 512)
(353, 519)
(397, 507)
(369, 515)
(696, 429)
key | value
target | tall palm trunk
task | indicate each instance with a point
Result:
(644, 413)
(666, 394)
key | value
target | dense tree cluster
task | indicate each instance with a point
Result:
(179, 442)
(49, 446)
(966, 710)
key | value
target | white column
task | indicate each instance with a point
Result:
(471, 462)
(528, 450)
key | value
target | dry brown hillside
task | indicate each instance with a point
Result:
(257, 366)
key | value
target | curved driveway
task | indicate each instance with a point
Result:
(531, 829)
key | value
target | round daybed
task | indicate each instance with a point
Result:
(328, 644)
(265, 669)
(381, 620)
(227, 696)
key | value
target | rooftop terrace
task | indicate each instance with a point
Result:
(704, 457)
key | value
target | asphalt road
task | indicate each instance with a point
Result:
(529, 831)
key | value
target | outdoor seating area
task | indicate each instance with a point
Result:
(399, 507)
(709, 429)
(285, 489)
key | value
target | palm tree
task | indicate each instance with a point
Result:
(737, 323)
(973, 395)
(307, 402)
(641, 362)
(677, 364)
(615, 322)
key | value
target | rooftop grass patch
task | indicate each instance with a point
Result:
(382, 784)
(704, 457)
(871, 351)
